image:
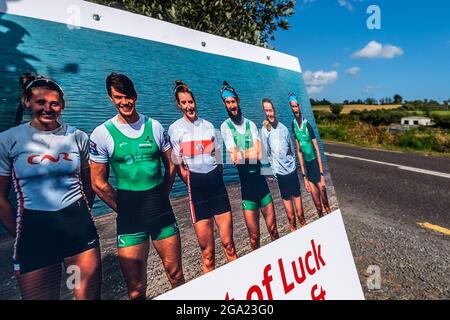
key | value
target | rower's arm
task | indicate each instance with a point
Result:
(7, 212)
(300, 158)
(170, 171)
(254, 153)
(87, 185)
(182, 172)
(319, 157)
(101, 185)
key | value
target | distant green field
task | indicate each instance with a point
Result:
(441, 113)
(418, 113)
(360, 107)
(424, 139)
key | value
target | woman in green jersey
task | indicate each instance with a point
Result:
(310, 158)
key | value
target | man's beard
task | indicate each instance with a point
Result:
(235, 118)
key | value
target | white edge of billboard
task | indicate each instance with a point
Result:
(329, 270)
(78, 13)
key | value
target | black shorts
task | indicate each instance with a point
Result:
(313, 171)
(208, 195)
(254, 188)
(143, 211)
(289, 185)
(45, 238)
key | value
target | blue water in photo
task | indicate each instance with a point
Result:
(80, 60)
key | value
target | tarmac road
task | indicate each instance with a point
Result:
(420, 191)
(383, 197)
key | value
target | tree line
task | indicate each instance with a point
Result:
(396, 99)
(384, 117)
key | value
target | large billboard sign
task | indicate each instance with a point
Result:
(238, 115)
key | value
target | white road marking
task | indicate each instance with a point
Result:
(418, 170)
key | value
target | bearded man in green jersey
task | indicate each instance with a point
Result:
(242, 142)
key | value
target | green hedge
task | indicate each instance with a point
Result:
(385, 117)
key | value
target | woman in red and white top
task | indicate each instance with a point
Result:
(195, 146)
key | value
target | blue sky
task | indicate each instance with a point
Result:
(343, 59)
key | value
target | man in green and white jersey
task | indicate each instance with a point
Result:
(134, 146)
(242, 142)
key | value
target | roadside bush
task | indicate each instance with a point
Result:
(336, 108)
(442, 119)
(422, 140)
(325, 116)
(350, 130)
(380, 117)
(336, 132)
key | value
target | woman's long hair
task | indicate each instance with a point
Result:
(24, 80)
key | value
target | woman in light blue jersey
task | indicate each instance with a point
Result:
(48, 163)
(280, 152)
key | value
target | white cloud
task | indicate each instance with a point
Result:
(336, 65)
(320, 77)
(353, 71)
(314, 89)
(347, 4)
(377, 50)
(315, 81)
(368, 90)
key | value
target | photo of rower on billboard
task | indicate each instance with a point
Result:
(196, 158)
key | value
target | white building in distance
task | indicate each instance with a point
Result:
(416, 121)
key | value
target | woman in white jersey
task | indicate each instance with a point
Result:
(195, 146)
(48, 163)
(280, 152)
